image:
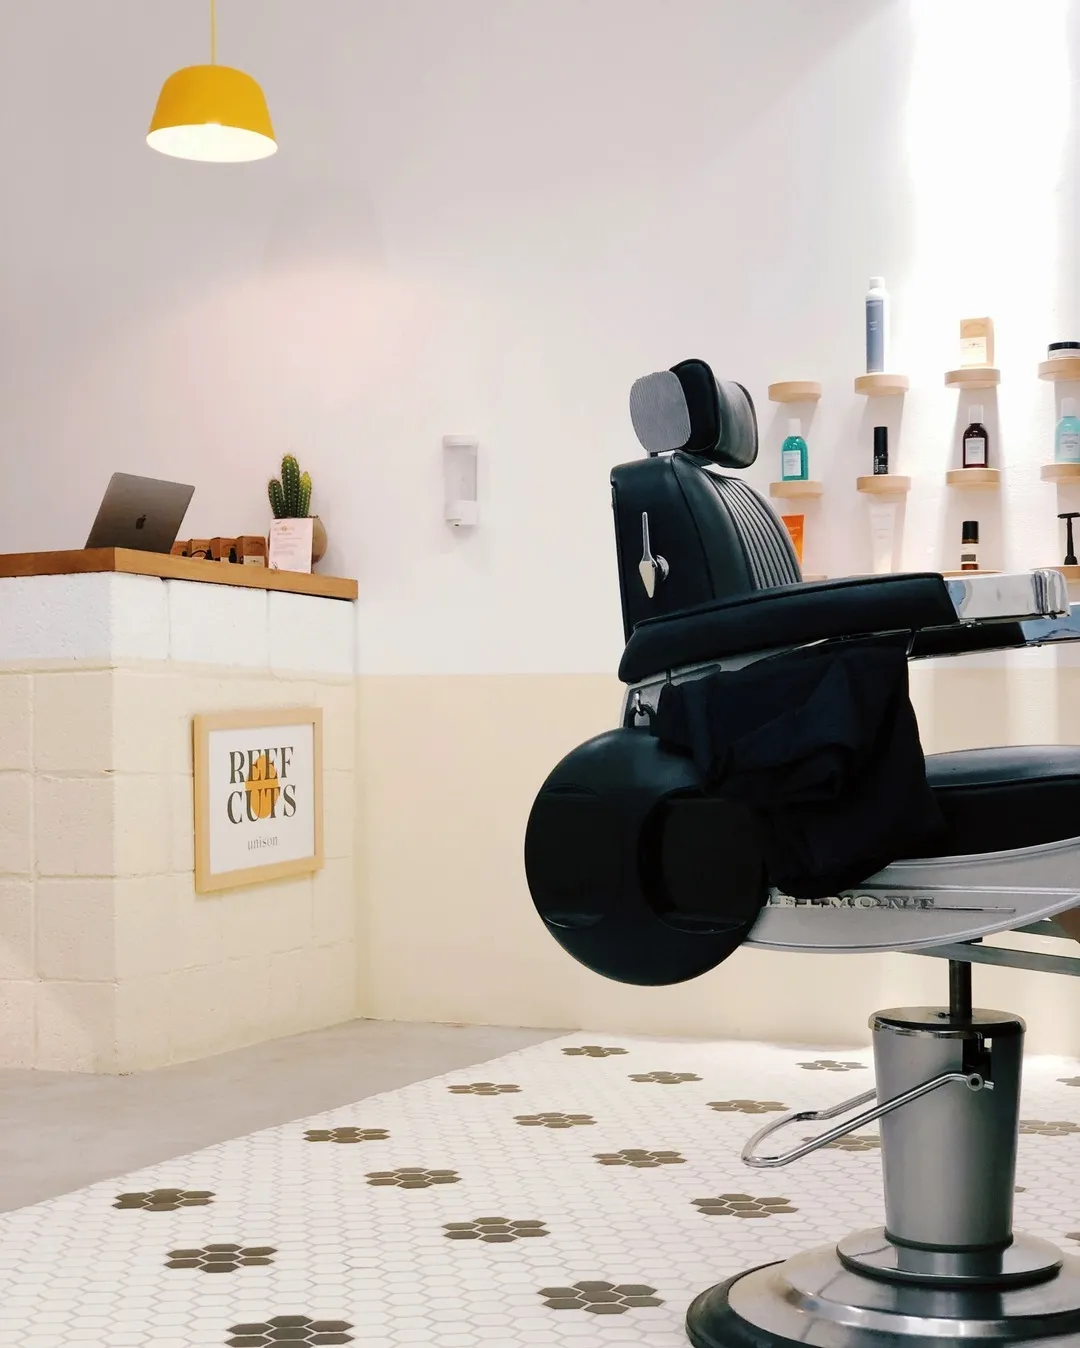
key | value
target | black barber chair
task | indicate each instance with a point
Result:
(650, 863)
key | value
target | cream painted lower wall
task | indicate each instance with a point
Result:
(448, 769)
(109, 960)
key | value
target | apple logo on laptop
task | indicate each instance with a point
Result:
(140, 522)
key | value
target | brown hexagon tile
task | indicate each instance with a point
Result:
(552, 1119)
(290, 1329)
(221, 1258)
(485, 1088)
(747, 1106)
(411, 1177)
(1069, 1081)
(639, 1159)
(494, 1230)
(743, 1206)
(831, 1065)
(346, 1135)
(1041, 1128)
(164, 1200)
(592, 1051)
(854, 1142)
(665, 1078)
(600, 1298)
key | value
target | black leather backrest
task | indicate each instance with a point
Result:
(719, 538)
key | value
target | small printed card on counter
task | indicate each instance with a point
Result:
(290, 545)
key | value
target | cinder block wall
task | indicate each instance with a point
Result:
(109, 961)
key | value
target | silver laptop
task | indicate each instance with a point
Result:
(140, 512)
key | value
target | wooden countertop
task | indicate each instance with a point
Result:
(173, 568)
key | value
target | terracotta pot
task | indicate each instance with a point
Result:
(319, 542)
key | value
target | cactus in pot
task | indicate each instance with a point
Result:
(290, 482)
(290, 499)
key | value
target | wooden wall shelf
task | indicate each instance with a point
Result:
(973, 376)
(1071, 573)
(882, 385)
(1060, 472)
(167, 567)
(884, 484)
(963, 575)
(795, 391)
(974, 477)
(801, 487)
(809, 580)
(1066, 368)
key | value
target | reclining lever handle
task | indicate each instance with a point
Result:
(650, 568)
(972, 1080)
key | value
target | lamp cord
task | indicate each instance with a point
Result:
(213, 32)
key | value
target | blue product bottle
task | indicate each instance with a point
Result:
(1067, 436)
(794, 458)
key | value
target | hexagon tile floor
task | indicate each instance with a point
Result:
(577, 1193)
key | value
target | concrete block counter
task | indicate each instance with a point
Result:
(109, 960)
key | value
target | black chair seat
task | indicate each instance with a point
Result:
(996, 800)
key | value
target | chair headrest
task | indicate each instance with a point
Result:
(688, 408)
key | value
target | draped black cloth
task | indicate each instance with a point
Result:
(824, 745)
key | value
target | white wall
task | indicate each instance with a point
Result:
(492, 217)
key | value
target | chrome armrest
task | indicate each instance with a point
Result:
(1009, 957)
(1045, 631)
(1014, 611)
(1020, 597)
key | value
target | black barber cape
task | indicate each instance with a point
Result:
(824, 745)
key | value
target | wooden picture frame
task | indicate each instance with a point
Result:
(245, 802)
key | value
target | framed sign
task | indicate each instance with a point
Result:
(258, 796)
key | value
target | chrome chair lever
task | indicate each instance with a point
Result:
(652, 570)
(972, 1080)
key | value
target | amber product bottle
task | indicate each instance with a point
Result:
(976, 442)
(969, 546)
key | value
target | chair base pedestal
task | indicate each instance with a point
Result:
(814, 1298)
(950, 1271)
(1024, 1262)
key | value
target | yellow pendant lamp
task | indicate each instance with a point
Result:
(212, 113)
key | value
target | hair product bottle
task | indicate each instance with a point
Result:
(881, 451)
(883, 536)
(976, 442)
(794, 456)
(794, 525)
(877, 326)
(1067, 435)
(976, 342)
(969, 546)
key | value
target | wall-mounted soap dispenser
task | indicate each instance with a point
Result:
(460, 453)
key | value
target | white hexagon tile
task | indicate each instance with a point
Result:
(580, 1192)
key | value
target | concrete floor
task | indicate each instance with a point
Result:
(60, 1131)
